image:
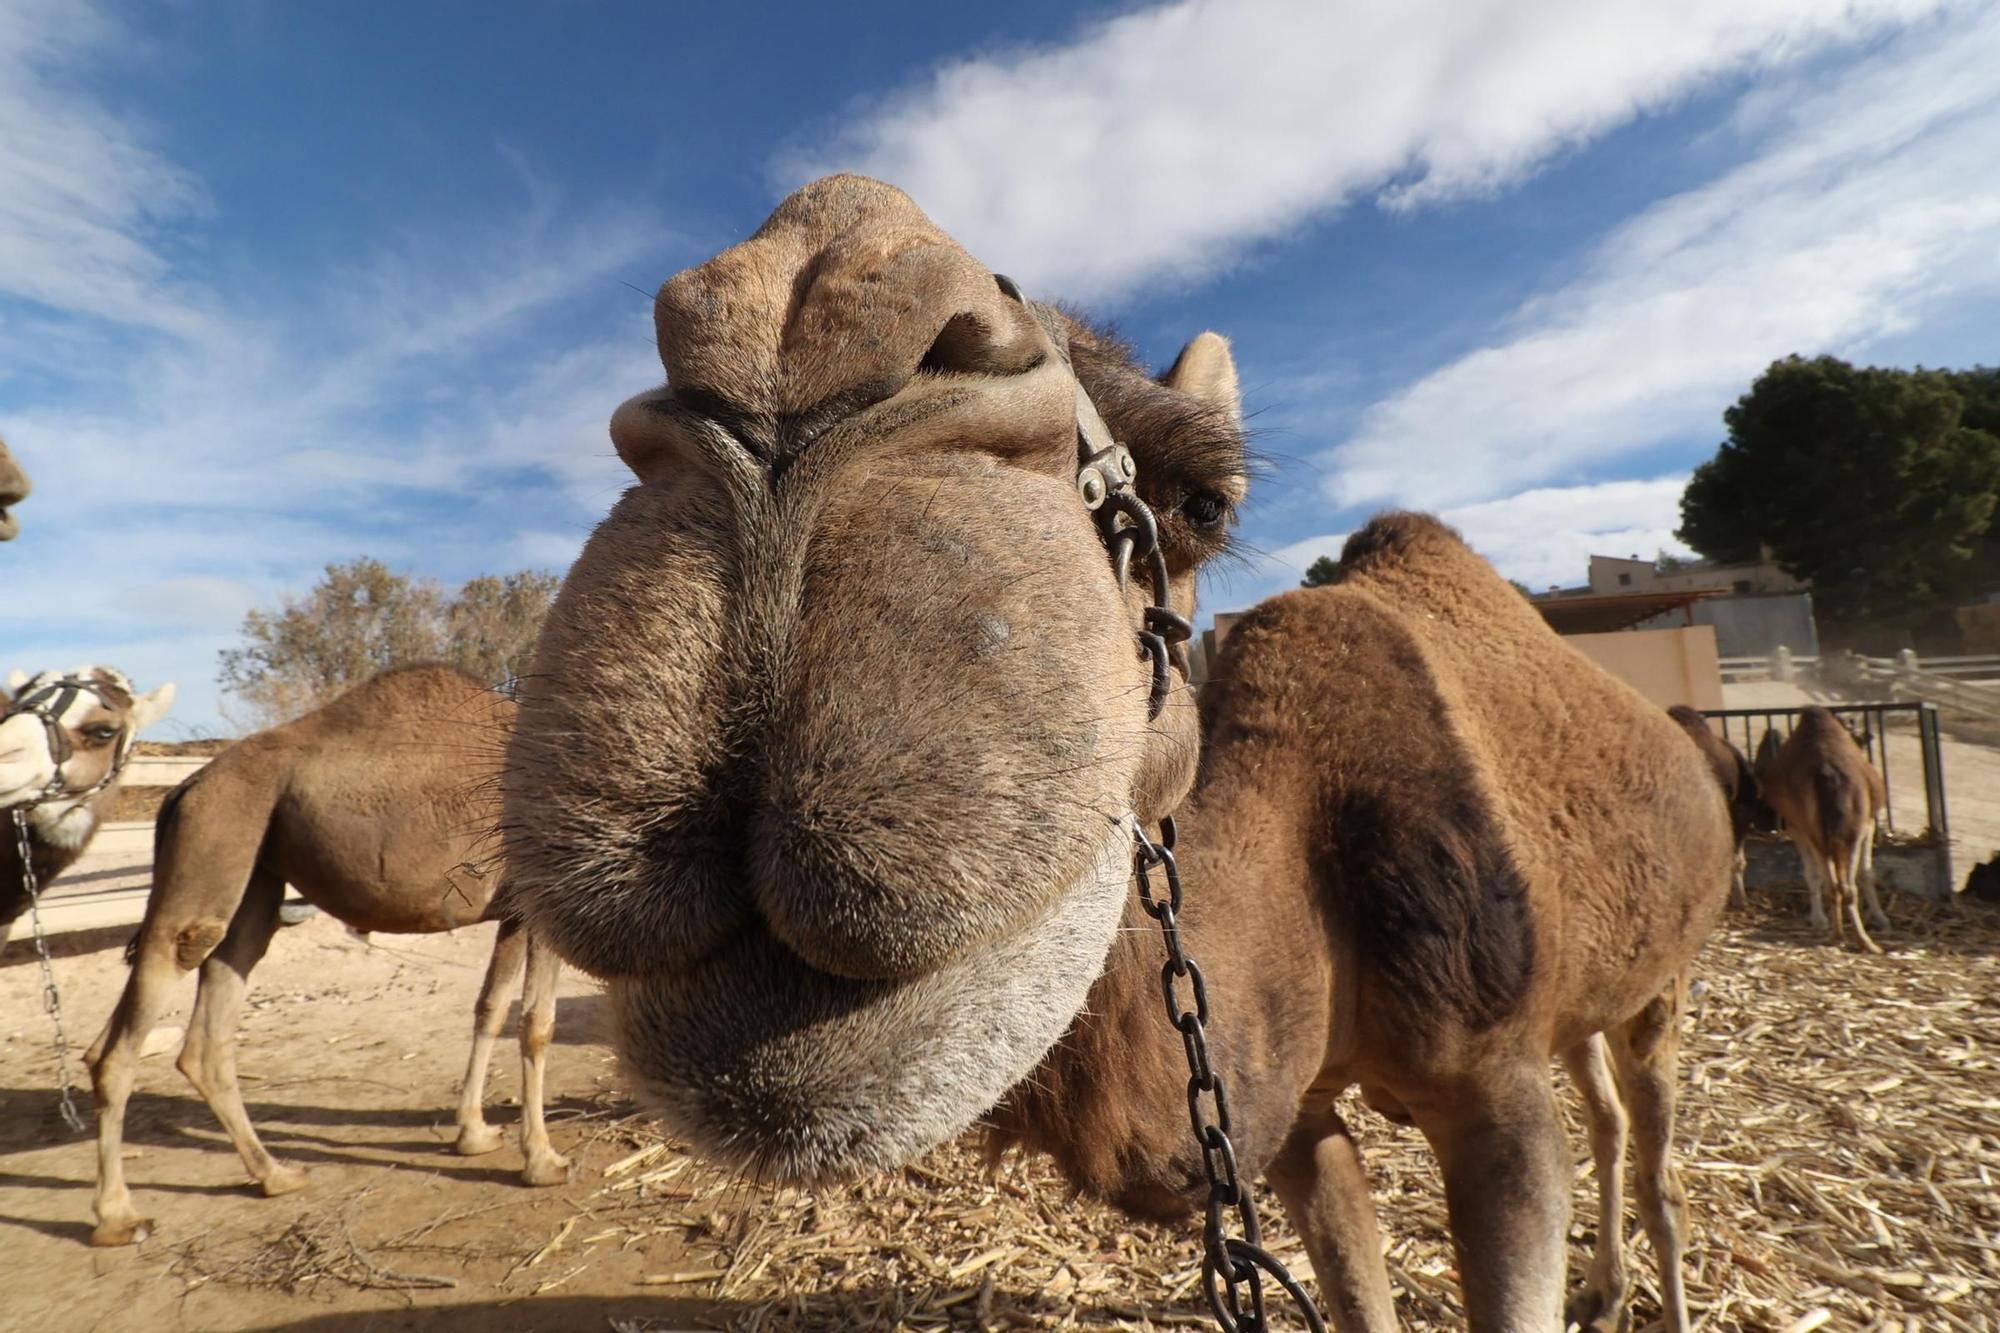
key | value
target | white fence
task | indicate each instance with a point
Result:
(108, 887)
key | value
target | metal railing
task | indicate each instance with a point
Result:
(1877, 719)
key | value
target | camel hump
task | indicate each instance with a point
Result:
(838, 300)
(1424, 868)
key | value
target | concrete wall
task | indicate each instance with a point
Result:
(1668, 666)
(1753, 626)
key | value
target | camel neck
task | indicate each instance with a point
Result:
(1110, 1102)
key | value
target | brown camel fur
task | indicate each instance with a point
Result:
(14, 488)
(99, 725)
(1823, 787)
(1739, 786)
(375, 808)
(874, 861)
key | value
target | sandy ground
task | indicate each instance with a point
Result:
(350, 1055)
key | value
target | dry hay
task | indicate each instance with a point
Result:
(1840, 1142)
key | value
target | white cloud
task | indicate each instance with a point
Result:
(1163, 141)
(206, 454)
(1542, 538)
(1875, 202)
(83, 199)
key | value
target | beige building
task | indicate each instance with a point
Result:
(1611, 575)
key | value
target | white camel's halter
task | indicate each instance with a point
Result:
(48, 703)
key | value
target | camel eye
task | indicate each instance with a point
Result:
(1205, 509)
(99, 733)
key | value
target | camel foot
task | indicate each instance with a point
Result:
(477, 1140)
(1878, 921)
(121, 1231)
(544, 1171)
(285, 1180)
(1866, 945)
(1594, 1311)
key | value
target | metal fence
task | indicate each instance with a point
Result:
(1745, 728)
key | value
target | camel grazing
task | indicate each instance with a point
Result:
(14, 488)
(373, 807)
(1821, 784)
(1739, 786)
(64, 740)
(838, 734)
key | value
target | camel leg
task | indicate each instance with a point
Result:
(1319, 1176)
(113, 1060)
(545, 1166)
(1813, 865)
(209, 1056)
(1865, 877)
(1601, 1305)
(1847, 878)
(1739, 897)
(1646, 1053)
(489, 1015)
(1506, 1185)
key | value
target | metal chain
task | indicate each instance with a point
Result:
(51, 1000)
(1233, 1267)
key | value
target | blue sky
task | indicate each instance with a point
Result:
(286, 284)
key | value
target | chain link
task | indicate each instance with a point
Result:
(51, 1000)
(1234, 1266)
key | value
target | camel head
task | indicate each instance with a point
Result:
(75, 726)
(830, 757)
(14, 488)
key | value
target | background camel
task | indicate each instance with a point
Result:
(64, 738)
(837, 735)
(374, 808)
(1821, 784)
(1738, 782)
(14, 488)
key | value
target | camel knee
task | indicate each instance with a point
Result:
(535, 1038)
(194, 942)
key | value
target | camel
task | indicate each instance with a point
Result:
(1821, 784)
(64, 740)
(837, 738)
(1739, 786)
(14, 488)
(374, 808)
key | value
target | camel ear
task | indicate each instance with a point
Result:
(15, 680)
(1206, 370)
(150, 707)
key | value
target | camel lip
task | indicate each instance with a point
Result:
(10, 527)
(769, 1067)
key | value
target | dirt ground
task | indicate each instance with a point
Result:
(1841, 1132)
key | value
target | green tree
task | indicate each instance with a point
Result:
(363, 617)
(1865, 481)
(1321, 572)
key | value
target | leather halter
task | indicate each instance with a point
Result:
(47, 704)
(1106, 479)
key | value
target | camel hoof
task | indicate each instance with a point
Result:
(285, 1180)
(1865, 945)
(1591, 1311)
(477, 1140)
(121, 1231)
(544, 1171)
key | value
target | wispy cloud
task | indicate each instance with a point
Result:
(1161, 143)
(203, 452)
(1543, 538)
(1874, 202)
(84, 200)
